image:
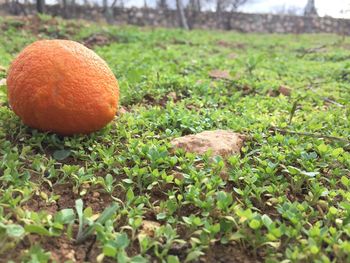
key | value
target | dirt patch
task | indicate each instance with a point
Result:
(98, 201)
(183, 42)
(171, 96)
(63, 249)
(94, 197)
(38, 202)
(227, 254)
(283, 90)
(98, 39)
(51, 27)
(188, 209)
(232, 45)
(247, 90)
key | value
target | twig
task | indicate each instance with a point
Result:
(311, 50)
(326, 99)
(333, 102)
(309, 134)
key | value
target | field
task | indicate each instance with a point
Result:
(123, 194)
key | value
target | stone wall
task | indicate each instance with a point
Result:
(242, 22)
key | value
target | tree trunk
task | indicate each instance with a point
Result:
(218, 13)
(199, 6)
(73, 8)
(108, 12)
(181, 11)
(310, 8)
(114, 4)
(65, 9)
(162, 4)
(40, 6)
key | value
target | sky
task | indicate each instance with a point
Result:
(324, 7)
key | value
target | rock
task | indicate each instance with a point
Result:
(220, 74)
(221, 142)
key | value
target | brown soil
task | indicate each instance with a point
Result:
(98, 39)
(61, 249)
(227, 254)
(284, 90)
(95, 198)
(171, 96)
(232, 45)
(36, 26)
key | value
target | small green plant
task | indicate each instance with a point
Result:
(126, 195)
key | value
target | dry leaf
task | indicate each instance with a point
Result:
(284, 90)
(232, 56)
(122, 110)
(172, 95)
(148, 227)
(272, 93)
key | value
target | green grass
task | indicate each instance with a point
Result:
(286, 198)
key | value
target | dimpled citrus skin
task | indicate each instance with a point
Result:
(63, 87)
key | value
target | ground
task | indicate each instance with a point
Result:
(123, 194)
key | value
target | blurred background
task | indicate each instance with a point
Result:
(271, 16)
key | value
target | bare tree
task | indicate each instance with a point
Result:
(195, 5)
(181, 11)
(107, 12)
(290, 10)
(310, 8)
(40, 6)
(73, 3)
(64, 8)
(162, 4)
(229, 5)
(86, 3)
(237, 3)
(15, 7)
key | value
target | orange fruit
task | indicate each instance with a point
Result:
(63, 87)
